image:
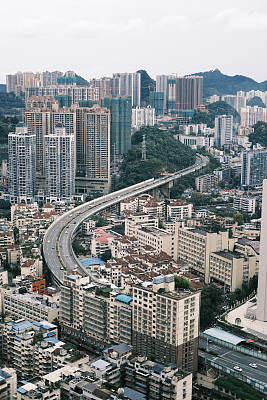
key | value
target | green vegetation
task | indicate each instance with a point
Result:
(147, 85)
(181, 282)
(81, 81)
(217, 108)
(246, 290)
(185, 182)
(100, 221)
(210, 299)
(217, 83)
(164, 153)
(241, 389)
(7, 124)
(78, 248)
(260, 134)
(5, 209)
(256, 101)
(10, 100)
(106, 255)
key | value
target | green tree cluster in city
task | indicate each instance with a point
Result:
(163, 154)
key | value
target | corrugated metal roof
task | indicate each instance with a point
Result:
(223, 335)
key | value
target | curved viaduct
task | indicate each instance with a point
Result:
(57, 246)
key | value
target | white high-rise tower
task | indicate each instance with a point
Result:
(261, 313)
(59, 165)
(21, 165)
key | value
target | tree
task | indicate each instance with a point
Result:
(106, 255)
(238, 217)
(210, 299)
(181, 282)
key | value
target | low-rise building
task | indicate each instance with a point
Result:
(8, 383)
(19, 303)
(206, 182)
(244, 203)
(179, 209)
(158, 381)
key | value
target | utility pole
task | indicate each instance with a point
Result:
(144, 148)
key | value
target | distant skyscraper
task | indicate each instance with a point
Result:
(60, 165)
(253, 167)
(21, 156)
(121, 122)
(128, 84)
(180, 93)
(261, 313)
(223, 133)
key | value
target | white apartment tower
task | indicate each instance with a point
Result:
(261, 313)
(60, 164)
(223, 130)
(21, 156)
(128, 84)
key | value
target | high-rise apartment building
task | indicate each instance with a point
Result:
(157, 102)
(143, 117)
(128, 84)
(251, 115)
(253, 166)
(93, 149)
(262, 289)
(41, 121)
(223, 133)
(59, 165)
(180, 93)
(94, 317)
(237, 101)
(165, 323)
(22, 172)
(121, 121)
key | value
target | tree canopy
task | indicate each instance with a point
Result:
(163, 153)
(214, 109)
(215, 82)
(260, 134)
(210, 299)
(256, 101)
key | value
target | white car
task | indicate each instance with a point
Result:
(253, 365)
(237, 368)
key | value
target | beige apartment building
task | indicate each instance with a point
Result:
(166, 323)
(28, 306)
(179, 209)
(91, 316)
(206, 182)
(195, 247)
(159, 239)
(139, 220)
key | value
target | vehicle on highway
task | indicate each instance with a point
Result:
(237, 368)
(253, 365)
(61, 268)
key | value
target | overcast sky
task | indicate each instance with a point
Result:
(98, 37)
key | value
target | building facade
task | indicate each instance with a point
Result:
(22, 171)
(60, 165)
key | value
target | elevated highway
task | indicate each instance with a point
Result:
(57, 245)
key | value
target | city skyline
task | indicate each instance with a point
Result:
(134, 37)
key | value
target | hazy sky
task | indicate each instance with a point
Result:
(98, 37)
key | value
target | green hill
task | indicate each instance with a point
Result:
(164, 153)
(147, 84)
(260, 134)
(215, 82)
(217, 108)
(256, 101)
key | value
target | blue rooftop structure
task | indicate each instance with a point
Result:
(86, 262)
(72, 277)
(4, 374)
(22, 326)
(22, 391)
(52, 340)
(124, 299)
